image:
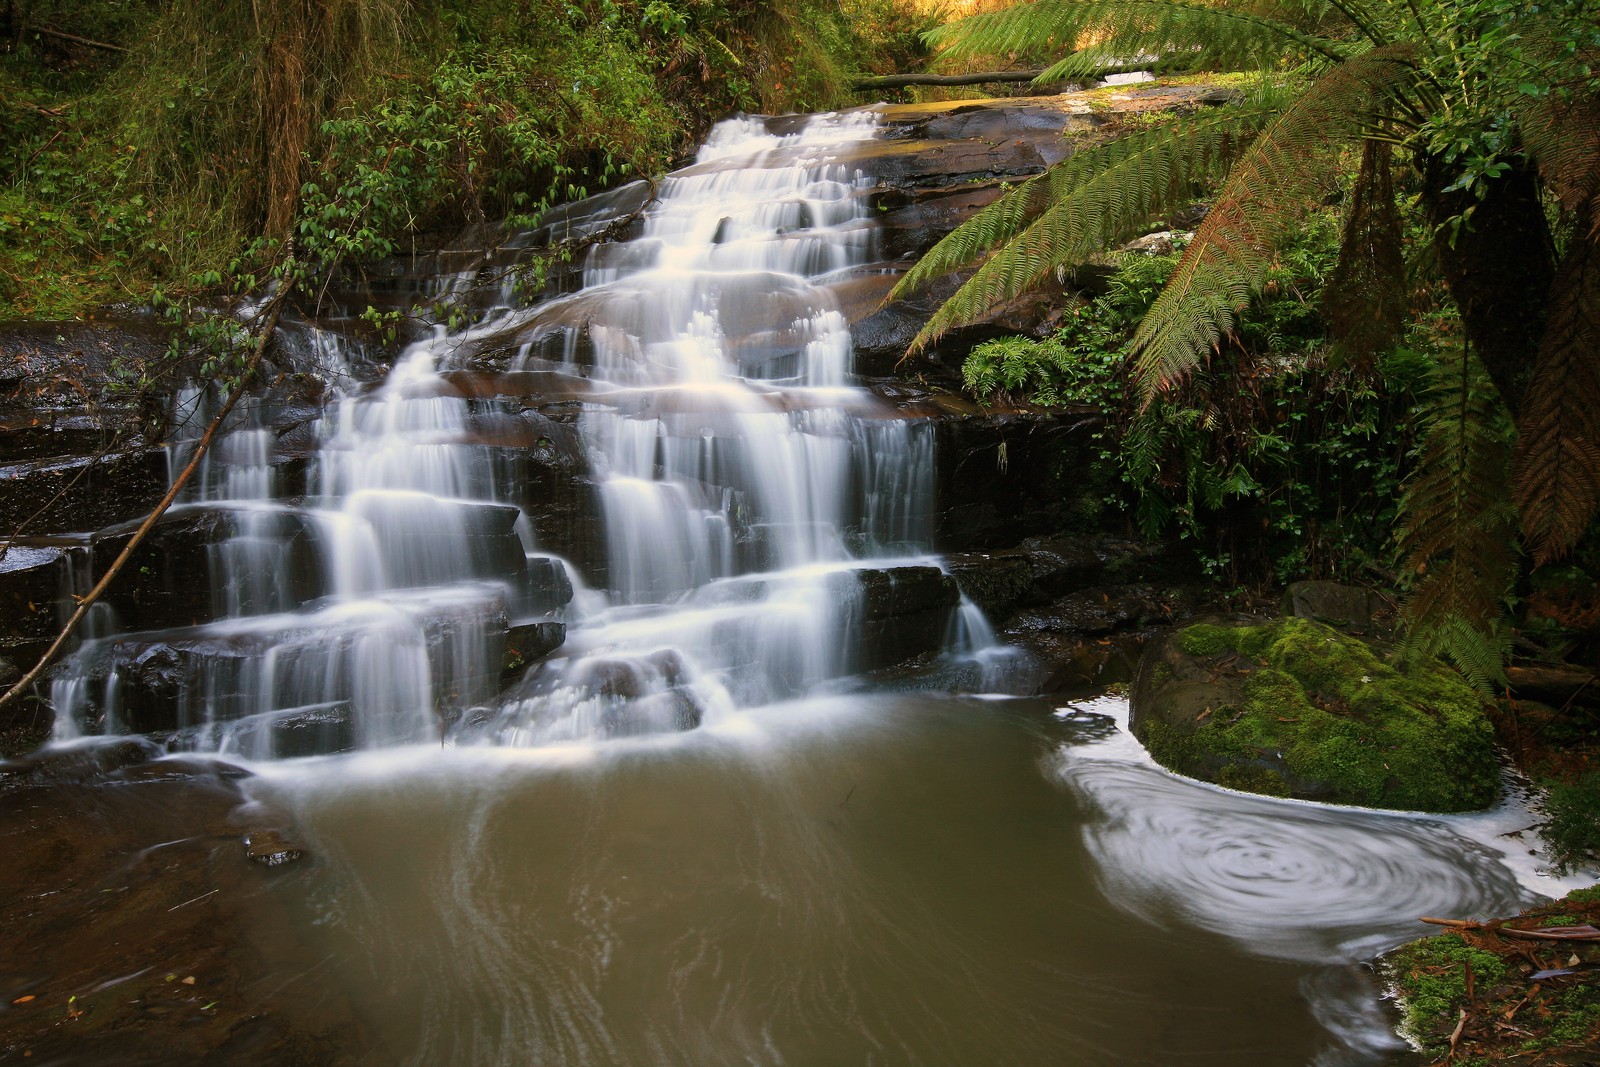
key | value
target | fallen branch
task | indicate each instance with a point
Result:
(76, 39)
(1554, 933)
(273, 309)
(901, 81)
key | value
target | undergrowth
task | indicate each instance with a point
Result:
(1281, 461)
(214, 125)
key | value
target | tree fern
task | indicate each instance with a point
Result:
(1181, 31)
(1269, 189)
(1558, 440)
(1078, 208)
(1457, 533)
(1364, 301)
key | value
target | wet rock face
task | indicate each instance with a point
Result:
(1291, 707)
(1082, 607)
(906, 612)
(1346, 606)
(81, 493)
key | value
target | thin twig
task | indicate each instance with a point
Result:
(76, 39)
(94, 460)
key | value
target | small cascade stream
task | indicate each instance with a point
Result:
(765, 522)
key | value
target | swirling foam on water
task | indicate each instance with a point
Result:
(1288, 879)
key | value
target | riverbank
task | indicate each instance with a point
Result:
(1520, 989)
(141, 919)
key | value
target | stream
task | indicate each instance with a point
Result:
(636, 796)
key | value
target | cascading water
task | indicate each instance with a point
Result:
(759, 512)
(814, 875)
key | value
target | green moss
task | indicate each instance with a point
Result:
(1560, 920)
(1430, 977)
(1204, 639)
(1582, 1022)
(1170, 748)
(1342, 723)
(1262, 780)
(1585, 896)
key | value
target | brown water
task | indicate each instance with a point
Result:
(890, 879)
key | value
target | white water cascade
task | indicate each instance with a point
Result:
(764, 521)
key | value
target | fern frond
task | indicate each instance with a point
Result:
(1561, 132)
(1278, 180)
(1557, 473)
(1457, 525)
(1364, 300)
(1078, 208)
(1230, 36)
(1563, 137)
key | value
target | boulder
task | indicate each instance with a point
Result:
(1291, 707)
(1349, 607)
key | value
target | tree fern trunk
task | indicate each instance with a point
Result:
(1498, 266)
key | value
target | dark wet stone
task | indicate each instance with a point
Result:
(673, 711)
(41, 360)
(81, 493)
(270, 848)
(31, 583)
(526, 643)
(995, 583)
(1347, 606)
(323, 730)
(895, 592)
(76, 764)
(179, 769)
(550, 585)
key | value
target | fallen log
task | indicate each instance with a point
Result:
(901, 81)
(1556, 686)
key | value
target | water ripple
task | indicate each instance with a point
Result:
(1288, 880)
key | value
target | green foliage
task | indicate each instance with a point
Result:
(1275, 463)
(1430, 977)
(1096, 197)
(1458, 532)
(359, 125)
(1473, 94)
(1572, 825)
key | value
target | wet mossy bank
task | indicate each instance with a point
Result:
(1295, 708)
(1495, 993)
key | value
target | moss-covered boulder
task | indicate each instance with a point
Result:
(1295, 708)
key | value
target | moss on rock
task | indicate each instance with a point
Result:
(1293, 707)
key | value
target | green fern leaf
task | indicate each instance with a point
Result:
(1457, 525)
(1558, 436)
(1186, 33)
(1079, 207)
(1270, 189)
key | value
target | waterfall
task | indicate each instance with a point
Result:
(764, 521)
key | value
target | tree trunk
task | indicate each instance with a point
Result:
(1498, 266)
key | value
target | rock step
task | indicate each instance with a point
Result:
(375, 659)
(80, 493)
(267, 559)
